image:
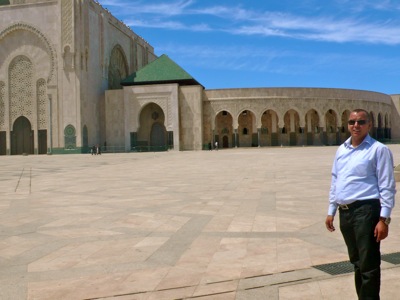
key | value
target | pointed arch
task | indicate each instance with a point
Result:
(49, 49)
(269, 128)
(21, 88)
(224, 133)
(331, 125)
(247, 134)
(311, 127)
(118, 68)
(152, 132)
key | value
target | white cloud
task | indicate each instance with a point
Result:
(239, 21)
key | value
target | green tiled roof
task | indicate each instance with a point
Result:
(161, 70)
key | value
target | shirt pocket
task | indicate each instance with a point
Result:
(361, 168)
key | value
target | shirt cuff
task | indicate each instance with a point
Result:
(385, 212)
(332, 209)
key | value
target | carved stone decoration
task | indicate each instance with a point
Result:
(67, 22)
(118, 68)
(69, 59)
(21, 88)
(41, 104)
(160, 101)
(51, 79)
(70, 137)
(67, 34)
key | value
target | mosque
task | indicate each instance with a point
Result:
(72, 76)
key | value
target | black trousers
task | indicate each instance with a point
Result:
(357, 225)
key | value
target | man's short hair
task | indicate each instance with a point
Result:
(358, 110)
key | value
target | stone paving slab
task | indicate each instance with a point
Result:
(228, 224)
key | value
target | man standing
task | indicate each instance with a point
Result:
(363, 188)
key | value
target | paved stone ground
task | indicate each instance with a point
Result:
(227, 224)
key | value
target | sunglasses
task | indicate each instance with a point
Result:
(360, 122)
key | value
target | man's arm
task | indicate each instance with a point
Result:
(386, 181)
(387, 190)
(332, 200)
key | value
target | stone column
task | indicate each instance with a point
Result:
(236, 137)
(50, 124)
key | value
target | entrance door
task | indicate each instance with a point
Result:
(225, 142)
(42, 141)
(3, 147)
(158, 138)
(22, 137)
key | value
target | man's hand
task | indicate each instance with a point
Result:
(329, 223)
(381, 231)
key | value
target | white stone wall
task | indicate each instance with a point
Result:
(191, 117)
(296, 102)
(395, 118)
(237, 117)
(68, 44)
(115, 119)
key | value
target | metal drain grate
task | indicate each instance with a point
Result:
(393, 258)
(338, 268)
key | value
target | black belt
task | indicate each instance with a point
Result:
(356, 204)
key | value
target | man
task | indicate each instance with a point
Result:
(363, 188)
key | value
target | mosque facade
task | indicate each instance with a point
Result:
(73, 76)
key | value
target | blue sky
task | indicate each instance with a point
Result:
(352, 44)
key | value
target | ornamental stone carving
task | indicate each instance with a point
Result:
(41, 104)
(51, 79)
(118, 69)
(21, 88)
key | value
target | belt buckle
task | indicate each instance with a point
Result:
(344, 206)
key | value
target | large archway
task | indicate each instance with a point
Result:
(152, 134)
(344, 131)
(331, 128)
(311, 128)
(269, 128)
(22, 137)
(224, 130)
(291, 129)
(118, 68)
(380, 129)
(247, 129)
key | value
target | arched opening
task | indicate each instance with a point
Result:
(331, 128)
(22, 137)
(152, 134)
(344, 131)
(373, 131)
(292, 125)
(380, 131)
(269, 129)
(312, 128)
(247, 129)
(387, 129)
(224, 129)
(118, 68)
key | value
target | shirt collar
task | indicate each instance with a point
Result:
(367, 139)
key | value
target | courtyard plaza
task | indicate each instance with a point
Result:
(244, 223)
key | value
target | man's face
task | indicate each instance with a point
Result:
(358, 131)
